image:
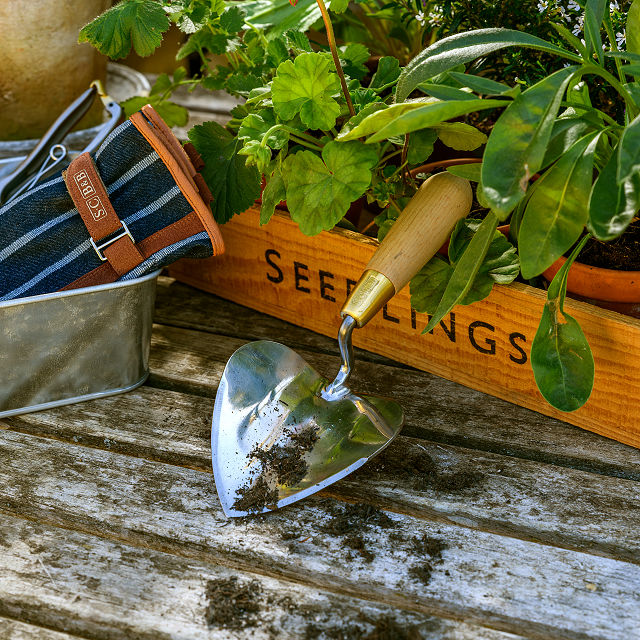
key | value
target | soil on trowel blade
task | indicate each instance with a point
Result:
(282, 464)
(232, 604)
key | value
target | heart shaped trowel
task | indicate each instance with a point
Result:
(281, 431)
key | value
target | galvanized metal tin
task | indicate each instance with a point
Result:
(71, 346)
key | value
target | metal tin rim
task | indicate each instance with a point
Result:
(79, 292)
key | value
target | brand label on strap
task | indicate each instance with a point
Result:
(88, 192)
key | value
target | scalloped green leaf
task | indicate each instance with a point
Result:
(306, 87)
(320, 190)
(137, 23)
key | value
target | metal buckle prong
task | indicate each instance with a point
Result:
(99, 247)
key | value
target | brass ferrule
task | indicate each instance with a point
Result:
(369, 296)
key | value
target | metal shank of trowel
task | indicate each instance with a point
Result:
(421, 229)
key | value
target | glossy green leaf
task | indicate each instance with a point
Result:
(518, 143)
(571, 38)
(561, 359)
(377, 119)
(484, 86)
(631, 70)
(137, 23)
(629, 151)
(386, 74)
(306, 87)
(593, 16)
(461, 48)
(469, 172)
(320, 190)
(365, 112)
(557, 211)
(445, 92)
(339, 6)
(430, 115)
(613, 205)
(233, 185)
(465, 270)
(421, 145)
(460, 136)
(633, 28)
(565, 133)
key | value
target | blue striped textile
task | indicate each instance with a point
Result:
(44, 244)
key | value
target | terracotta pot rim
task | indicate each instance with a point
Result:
(598, 283)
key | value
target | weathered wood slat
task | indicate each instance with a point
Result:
(105, 589)
(507, 584)
(435, 408)
(529, 500)
(13, 630)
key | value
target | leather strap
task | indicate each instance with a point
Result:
(179, 230)
(92, 201)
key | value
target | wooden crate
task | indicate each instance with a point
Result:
(485, 346)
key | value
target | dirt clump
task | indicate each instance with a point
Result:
(384, 628)
(431, 550)
(253, 498)
(357, 543)
(421, 471)
(282, 464)
(232, 604)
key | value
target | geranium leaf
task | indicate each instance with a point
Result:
(354, 56)
(233, 185)
(232, 20)
(386, 74)
(140, 23)
(273, 194)
(256, 125)
(306, 87)
(320, 190)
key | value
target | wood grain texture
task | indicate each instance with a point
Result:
(438, 409)
(304, 280)
(511, 585)
(14, 630)
(527, 500)
(107, 590)
(423, 227)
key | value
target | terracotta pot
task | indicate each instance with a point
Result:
(43, 67)
(607, 288)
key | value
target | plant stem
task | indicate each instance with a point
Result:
(612, 80)
(614, 46)
(334, 52)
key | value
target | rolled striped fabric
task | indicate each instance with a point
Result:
(136, 205)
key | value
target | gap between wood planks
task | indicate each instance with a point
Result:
(510, 497)
(151, 594)
(506, 584)
(439, 410)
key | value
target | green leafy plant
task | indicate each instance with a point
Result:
(560, 167)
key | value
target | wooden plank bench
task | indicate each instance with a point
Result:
(481, 521)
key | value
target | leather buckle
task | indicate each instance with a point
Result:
(107, 243)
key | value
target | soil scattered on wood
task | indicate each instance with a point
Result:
(281, 464)
(420, 470)
(429, 550)
(232, 604)
(385, 628)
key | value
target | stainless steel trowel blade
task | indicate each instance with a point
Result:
(266, 394)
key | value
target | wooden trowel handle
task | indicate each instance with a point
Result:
(421, 229)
